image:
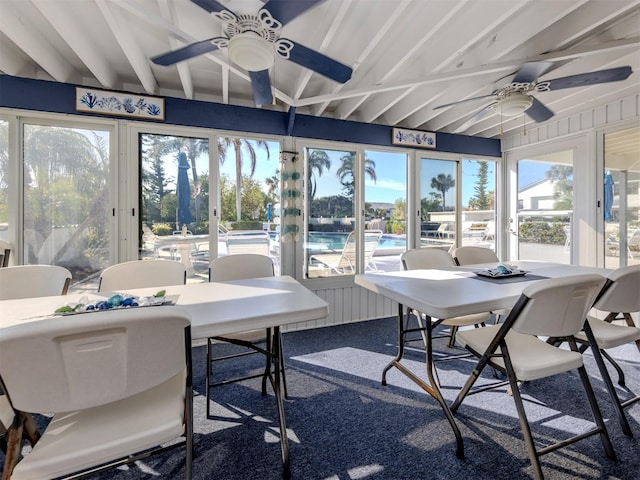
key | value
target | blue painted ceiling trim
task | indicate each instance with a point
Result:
(46, 96)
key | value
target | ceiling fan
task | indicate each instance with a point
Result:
(253, 41)
(515, 99)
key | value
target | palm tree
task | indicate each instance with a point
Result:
(273, 183)
(239, 146)
(318, 162)
(65, 184)
(443, 183)
(561, 176)
(345, 172)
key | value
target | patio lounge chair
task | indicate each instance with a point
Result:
(248, 241)
(345, 261)
(633, 240)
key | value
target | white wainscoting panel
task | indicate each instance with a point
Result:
(347, 304)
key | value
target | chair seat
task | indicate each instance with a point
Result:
(254, 336)
(531, 357)
(105, 434)
(610, 335)
(473, 319)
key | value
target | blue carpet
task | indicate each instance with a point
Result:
(344, 425)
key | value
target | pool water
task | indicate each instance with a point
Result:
(336, 240)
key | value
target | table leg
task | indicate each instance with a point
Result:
(432, 388)
(284, 441)
(184, 250)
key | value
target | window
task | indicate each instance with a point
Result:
(545, 201)
(478, 214)
(174, 201)
(385, 201)
(438, 203)
(249, 186)
(67, 205)
(329, 241)
(4, 180)
(621, 207)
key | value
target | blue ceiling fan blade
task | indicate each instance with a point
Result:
(530, 71)
(185, 53)
(591, 78)
(538, 111)
(210, 5)
(261, 86)
(319, 63)
(286, 10)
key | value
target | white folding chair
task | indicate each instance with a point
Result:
(141, 274)
(118, 384)
(620, 296)
(470, 255)
(425, 258)
(242, 266)
(552, 307)
(27, 281)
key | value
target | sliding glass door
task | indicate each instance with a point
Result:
(174, 201)
(68, 207)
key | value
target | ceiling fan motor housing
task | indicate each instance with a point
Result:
(251, 39)
(514, 104)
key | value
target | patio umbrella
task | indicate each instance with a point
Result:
(608, 197)
(183, 190)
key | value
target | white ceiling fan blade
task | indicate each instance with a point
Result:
(476, 117)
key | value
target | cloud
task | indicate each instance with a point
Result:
(387, 185)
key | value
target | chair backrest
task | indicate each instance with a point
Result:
(248, 241)
(621, 294)
(27, 281)
(83, 361)
(348, 258)
(556, 307)
(472, 255)
(142, 273)
(426, 258)
(240, 267)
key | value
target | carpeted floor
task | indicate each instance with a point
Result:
(343, 424)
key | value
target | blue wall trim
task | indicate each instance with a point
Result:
(46, 96)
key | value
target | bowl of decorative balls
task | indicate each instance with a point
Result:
(115, 301)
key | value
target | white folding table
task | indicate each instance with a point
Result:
(216, 309)
(452, 292)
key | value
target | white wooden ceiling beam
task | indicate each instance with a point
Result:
(17, 28)
(167, 9)
(129, 45)
(415, 109)
(336, 24)
(80, 42)
(497, 68)
(378, 39)
(11, 62)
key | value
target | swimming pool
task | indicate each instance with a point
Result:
(389, 243)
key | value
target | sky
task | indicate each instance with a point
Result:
(390, 168)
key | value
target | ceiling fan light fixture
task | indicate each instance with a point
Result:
(251, 52)
(513, 105)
